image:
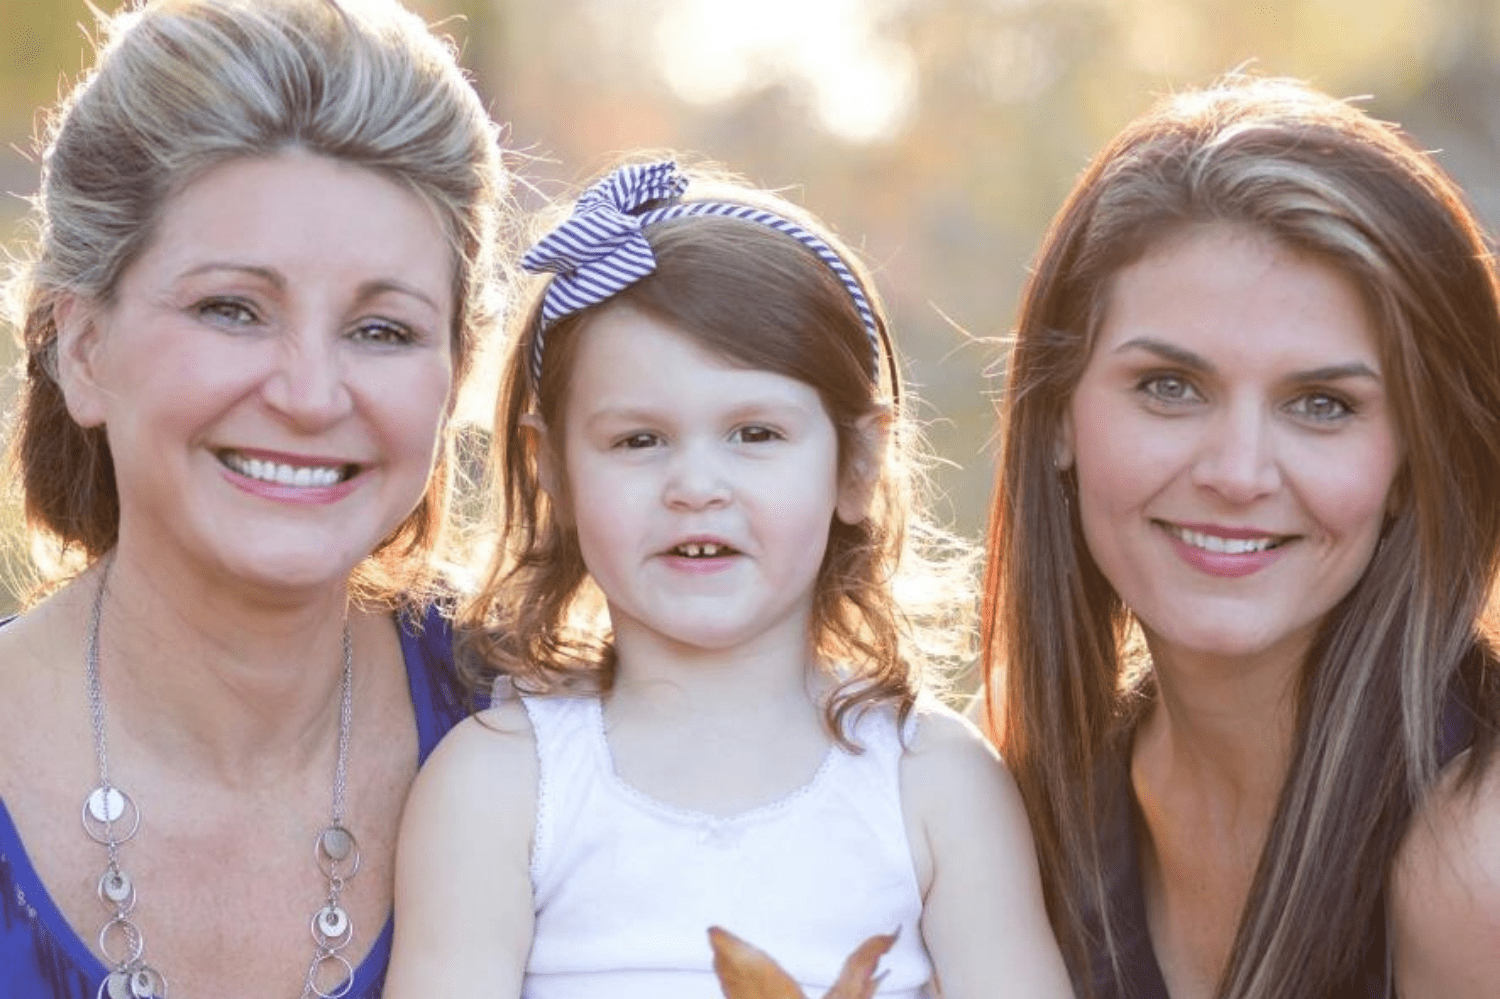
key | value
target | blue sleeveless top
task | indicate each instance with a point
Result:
(1141, 976)
(41, 957)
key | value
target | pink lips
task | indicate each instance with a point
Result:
(1224, 564)
(275, 492)
(702, 564)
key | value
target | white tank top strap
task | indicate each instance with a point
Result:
(567, 757)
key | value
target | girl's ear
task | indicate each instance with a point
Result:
(862, 471)
(78, 363)
(542, 446)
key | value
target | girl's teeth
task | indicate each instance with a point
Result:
(302, 476)
(1223, 546)
(700, 550)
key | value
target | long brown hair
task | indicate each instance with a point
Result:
(893, 599)
(1321, 178)
(180, 87)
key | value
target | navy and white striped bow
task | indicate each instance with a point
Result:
(601, 249)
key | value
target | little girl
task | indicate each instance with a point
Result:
(711, 599)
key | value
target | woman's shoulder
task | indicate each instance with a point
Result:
(1445, 890)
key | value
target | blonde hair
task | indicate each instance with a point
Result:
(894, 595)
(1320, 178)
(180, 86)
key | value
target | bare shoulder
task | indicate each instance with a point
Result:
(949, 752)
(957, 794)
(1446, 891)
(463, 893)
(983, 918)
(489, 756)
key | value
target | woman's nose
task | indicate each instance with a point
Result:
(309, 384)
(1237, 457)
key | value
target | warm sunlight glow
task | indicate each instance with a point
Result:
(858, 85)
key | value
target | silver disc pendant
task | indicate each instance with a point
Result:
(116, 888)
(116, 985)
(336, 848)
(110, 815)
(143, 984)
(331, 927)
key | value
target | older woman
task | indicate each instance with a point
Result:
(264, 254)
(1245, 527)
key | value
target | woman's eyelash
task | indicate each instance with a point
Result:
(384, 332)
(1167, 386)
(227, 310)
(1325, 406)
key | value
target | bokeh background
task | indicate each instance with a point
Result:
(936, 135)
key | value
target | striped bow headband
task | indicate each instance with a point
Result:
(601, 249)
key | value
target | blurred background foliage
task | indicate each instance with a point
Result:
(936, 135)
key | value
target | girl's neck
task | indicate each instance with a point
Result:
(668, 678)
(210, 677)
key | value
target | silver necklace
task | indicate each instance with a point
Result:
(111, 818)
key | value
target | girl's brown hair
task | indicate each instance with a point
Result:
(760, 299)
(1320, 178)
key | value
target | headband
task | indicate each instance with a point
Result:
(601, 249)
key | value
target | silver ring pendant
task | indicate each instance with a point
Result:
(345, 980)
(135, 942)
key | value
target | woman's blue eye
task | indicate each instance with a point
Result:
(1320, 406)
(1168, 388)
(227, 312)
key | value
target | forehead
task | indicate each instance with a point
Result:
(1237, 296)
(625, 359)
(304, 215)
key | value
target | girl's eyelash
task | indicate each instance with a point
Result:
(756, 433)
(637, 440)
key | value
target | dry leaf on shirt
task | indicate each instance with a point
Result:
(747, 972)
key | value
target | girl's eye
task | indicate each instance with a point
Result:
(383, 333)
(754, 434)
(1320, 407)
(227, 312)
(638, 441)
(1167, 388)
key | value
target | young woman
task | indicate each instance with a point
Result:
(1243, 534)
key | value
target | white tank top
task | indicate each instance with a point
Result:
(626, 887)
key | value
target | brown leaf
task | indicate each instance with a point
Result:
(858, 979)
(746, 972)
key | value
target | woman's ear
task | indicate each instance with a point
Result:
(861, 473)
(1063, 451)
(77, 362)
(543, 448)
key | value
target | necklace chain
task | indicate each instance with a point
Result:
(111, 819)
